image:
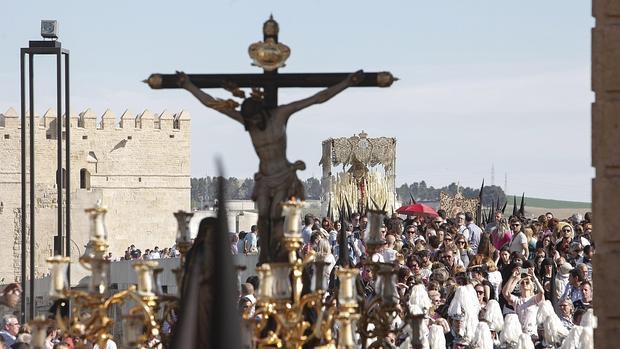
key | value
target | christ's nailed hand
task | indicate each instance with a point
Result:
(182, 79)
(357, 77)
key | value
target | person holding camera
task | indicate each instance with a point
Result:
(526, 305)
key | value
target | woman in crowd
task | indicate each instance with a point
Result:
(464, 252)
(493, 275)
(531, 242)
(486, 248)
(546, 275)
(324, 254)
(502, 235)
(504, 258)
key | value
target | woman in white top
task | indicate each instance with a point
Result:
(493, 275)
(526, 306)
(323, 253)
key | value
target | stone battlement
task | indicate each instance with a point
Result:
(139, 165)
(88, 120)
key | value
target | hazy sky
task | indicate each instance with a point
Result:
(482, 82)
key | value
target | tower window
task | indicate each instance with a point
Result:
(84, 179)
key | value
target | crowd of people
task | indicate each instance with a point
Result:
(15, 335)
(526, 282)
(514, 283)
(133, 253)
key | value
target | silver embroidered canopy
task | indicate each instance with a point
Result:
(358, 184)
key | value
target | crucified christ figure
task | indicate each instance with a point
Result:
(276, 180)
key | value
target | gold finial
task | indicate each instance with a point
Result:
(385, 79)
(154, 81)
(271, 27)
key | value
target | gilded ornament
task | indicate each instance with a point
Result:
(457, 203)
(269, 54)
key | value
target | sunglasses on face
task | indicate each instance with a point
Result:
(479, 292)
(515, 225)
(566, 230)
(414, 266)
(461, 242)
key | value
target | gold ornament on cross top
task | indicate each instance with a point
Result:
(269, 54)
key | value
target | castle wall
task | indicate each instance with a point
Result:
(138, 165)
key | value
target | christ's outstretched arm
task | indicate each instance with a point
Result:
(322, 96)
(206, 99)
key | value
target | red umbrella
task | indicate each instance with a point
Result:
(417, 210)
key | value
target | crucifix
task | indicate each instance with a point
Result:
(276, 180)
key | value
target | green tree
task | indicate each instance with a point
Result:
(246, 188)
(312, 187)
(403, 193)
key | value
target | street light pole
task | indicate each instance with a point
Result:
(61, 247)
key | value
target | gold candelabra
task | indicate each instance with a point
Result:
(282, 312)
(90, 319)
(285, 316)
(379, 312)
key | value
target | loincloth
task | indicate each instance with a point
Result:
(283, 182)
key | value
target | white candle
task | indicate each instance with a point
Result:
(346, 293)
(98, 277)
(58, 277)
(145, 284)
(268, 285)
(58, 280)
(145, 276)
(98, 230)
(281, 282)
(375, 222)
(183, 231)
(291, 211)
(346, 338)
(266, 281)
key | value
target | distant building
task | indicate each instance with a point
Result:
(139, 166)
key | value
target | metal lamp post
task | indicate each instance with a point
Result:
(49, 29)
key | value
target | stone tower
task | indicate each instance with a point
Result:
(139, 165)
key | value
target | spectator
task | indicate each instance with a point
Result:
(10, 329)
(251, 241)
(526, 305)
(518, 243)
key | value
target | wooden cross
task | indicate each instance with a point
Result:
(270, 80)
(265, 121)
